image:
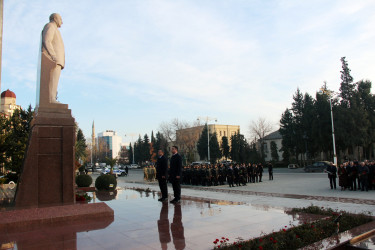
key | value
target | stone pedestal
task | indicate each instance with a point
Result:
(47, 177)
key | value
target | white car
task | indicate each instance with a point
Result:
(134, 166)
(116, 170)
(293, 166)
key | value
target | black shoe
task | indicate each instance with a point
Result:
(174, 201)
(162, 199)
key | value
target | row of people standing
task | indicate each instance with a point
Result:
(220, 174)
(353, 175)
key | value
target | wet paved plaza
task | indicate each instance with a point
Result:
(141, 222)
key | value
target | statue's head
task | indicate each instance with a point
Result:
(54, 17)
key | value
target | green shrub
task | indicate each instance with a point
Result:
(103, 182)
(83, 180)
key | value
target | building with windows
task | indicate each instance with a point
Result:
(110, 142)
(267, 141)
(8, 103)
(187, 138)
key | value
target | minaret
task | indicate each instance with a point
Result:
(93, 135)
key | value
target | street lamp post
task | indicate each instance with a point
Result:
(207, 119)
(328, 93)
(132, 135)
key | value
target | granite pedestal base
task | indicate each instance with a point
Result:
(52, 227)
(47, 176)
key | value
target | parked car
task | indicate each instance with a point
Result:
(293, 166)
(133, 166)
(116, 170)
(318, 166)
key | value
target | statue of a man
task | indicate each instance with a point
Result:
(52, 51)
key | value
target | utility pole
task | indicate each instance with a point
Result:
(328, 93)
(132, 136)
(207, 119)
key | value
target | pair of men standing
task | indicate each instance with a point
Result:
(174, 175)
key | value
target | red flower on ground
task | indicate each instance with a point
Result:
(297, 236)
(218, 246)
(274, 242)
(285, 226)
(260, 240)
(234, 243)
(227, 239)
(312, 226)
(223, 238)
(221, 241)
(217, 239)
(260, 248)
(239, 245)
(284, 230)
(271, 239)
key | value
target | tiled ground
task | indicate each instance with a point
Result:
(141, 222)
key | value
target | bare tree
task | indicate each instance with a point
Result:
(168, 129)
(260, 129)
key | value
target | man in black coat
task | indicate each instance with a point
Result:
(175, 174)
(161, 175)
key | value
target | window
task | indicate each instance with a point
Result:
(220, 133)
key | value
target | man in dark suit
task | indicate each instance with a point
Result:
(175, 174)
(161, 175)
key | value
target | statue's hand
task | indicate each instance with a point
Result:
(53, 58)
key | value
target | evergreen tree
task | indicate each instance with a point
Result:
(274, 152)
(346, 86)
(215, 153)
(287, 133)
(225, 149)
(161, 143)
(17, 135)
(146, 156)
(80, 146)
(130, 153)
(202, 144)
(235, 148)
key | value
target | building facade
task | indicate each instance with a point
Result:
(267, 141)
(8, 103)
(111, 141)
(187, 138)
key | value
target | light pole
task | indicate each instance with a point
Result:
(132, 135)
(328, 93)
(207, 119)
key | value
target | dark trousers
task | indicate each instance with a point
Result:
(176, 189)
(364, 183)
(163, 187)
(332, 181)
(270, 175)
(354, 183)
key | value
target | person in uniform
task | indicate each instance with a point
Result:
(260, 171)
(230, 175)
(270, 171)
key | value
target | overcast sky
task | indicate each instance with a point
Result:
(131, 65)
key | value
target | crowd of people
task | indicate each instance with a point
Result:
(353, 175)
(217, 174)
(220, 174)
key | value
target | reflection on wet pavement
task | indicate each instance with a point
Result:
(141, 222)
